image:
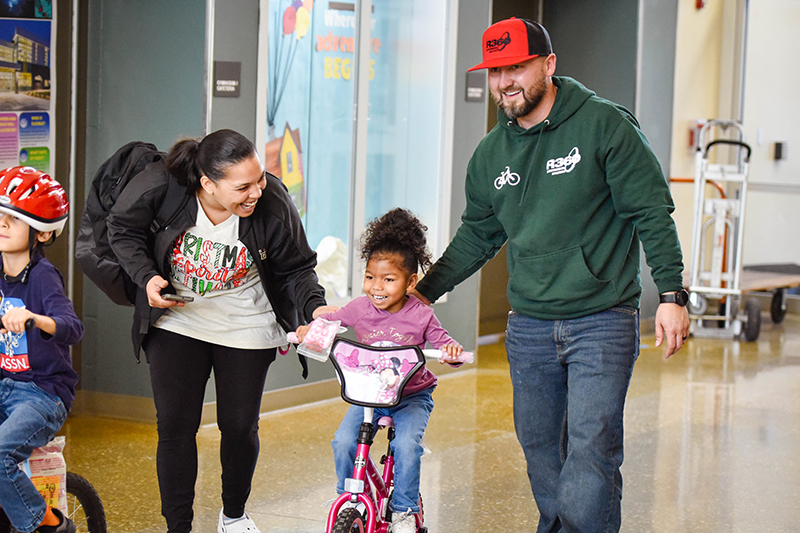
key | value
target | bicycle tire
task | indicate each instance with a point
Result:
(349, 521)
(84, 505)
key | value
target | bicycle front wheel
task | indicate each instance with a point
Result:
(349, 521)
(84, 505)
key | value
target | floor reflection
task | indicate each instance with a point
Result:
(712, 445)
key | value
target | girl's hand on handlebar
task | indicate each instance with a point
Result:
(450, 353)
(153, 290)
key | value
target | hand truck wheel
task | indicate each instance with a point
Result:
(752, 322)
(778, 306)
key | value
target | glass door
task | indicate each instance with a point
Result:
(354, 98)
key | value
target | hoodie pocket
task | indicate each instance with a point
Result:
(556, 277)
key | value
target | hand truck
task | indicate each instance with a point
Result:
(715, 295)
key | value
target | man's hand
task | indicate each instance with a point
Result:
(419, 296)
(672, 325)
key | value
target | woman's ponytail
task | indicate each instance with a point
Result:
(182, 163)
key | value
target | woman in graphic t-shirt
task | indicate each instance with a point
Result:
(238, 249)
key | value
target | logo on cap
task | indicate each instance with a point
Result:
(496, 45)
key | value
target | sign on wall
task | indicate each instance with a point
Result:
(27, 84)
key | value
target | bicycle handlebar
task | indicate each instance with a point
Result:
(464, 357)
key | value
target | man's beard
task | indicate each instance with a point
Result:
(531, 96)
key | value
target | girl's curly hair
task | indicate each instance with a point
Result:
(397, 232)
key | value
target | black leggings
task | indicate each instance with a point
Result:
(179, 370)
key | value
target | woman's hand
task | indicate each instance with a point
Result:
(153, 290)
(301, 333)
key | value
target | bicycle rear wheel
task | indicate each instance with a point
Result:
(83, 503)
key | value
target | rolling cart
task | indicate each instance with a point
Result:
(716, 305)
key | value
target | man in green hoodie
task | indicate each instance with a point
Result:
(569, 181)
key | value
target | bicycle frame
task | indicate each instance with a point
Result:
(369, 486)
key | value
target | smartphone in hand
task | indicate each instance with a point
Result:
(176, 298)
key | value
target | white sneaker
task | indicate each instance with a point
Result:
(404, 523)
(244, 524)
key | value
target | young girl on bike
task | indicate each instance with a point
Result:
(38, 381)
(394, 250)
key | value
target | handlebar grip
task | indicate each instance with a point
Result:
(30, 324)
(463, 357)
(292, 337)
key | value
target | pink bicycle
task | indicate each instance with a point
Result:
(367, 379)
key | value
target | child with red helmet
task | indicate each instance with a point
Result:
(37, 381)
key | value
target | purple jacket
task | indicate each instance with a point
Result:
(415, 323)
(34, 355)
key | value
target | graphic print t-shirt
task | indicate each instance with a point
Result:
(230, 305)
(13, 346)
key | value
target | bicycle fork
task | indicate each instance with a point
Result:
(358, 489)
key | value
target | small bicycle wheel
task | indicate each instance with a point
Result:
(349, 521)
(84, 505)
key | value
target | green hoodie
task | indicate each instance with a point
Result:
(572, 196)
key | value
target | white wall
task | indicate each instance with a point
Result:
(772, 113)
(707, 84)
(699, 61)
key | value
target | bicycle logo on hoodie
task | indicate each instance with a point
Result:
(512, 178)
(564, 165)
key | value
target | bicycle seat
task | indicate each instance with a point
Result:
(374, 376)
(386, 422)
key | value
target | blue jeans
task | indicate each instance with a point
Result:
(410, 420)
(29, 418)
(570, 379)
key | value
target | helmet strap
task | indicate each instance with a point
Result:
(35, 246)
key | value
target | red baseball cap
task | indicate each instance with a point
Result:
(513, 41)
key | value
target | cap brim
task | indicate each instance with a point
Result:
(503, 62)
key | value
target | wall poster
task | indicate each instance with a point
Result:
(27, 43)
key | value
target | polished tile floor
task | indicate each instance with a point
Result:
(712, 442)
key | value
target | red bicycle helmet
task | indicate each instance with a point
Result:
(34, 197)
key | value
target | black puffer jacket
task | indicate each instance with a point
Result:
(273, 235)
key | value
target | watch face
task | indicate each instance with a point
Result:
(682, 297)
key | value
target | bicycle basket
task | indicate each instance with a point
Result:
(374, 376)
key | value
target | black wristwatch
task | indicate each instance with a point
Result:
(680, 297)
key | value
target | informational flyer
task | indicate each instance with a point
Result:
(27, 50)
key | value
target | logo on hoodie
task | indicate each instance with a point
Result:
(512, 178)
(564, 165)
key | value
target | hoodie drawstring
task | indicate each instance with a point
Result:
(544, 124)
